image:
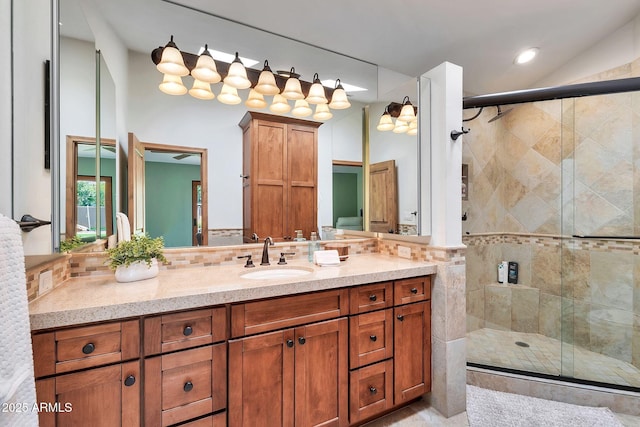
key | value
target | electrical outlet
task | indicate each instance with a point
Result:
(404, 252)
(46, 282)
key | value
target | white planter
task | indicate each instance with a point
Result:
(139, 270)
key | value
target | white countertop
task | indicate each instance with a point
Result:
(100, 298)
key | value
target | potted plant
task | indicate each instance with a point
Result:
(136, 259)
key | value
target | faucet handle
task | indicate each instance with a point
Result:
(255, 237)
(249, 263)
(282, 260)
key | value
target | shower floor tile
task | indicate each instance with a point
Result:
(544, 355)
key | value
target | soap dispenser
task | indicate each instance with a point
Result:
(314, 245)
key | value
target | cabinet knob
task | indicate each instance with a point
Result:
(88, 348)
(373, 297)
(302, 340)
(188, 330)
(188, 386)
(400, 317)
(373, 390)
(289, 343)
(373, 338)
(414, 290)
(130, 380)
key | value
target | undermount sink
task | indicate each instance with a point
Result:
(276, 273)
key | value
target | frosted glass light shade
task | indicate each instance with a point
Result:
(316, 92)
(229, 95)
(237, 75)
(171, 61)
(292, 89)
(339, 99)
(267, 82)
(201, 90)
(413, 128)
(322, 112)
(301, 109)
(385, 123)
(172, 85)
(279, 104)
(401, 126)
(407, 114)
(255, 100)
(206, 69)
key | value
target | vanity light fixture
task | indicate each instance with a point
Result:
(316, 92)
(386, 122)
(279, 104)
(206, 69)
(401, 126)
(255, 100)
(229, 95)
(301, 109)
(322, 112)
(267, 81)
(339, 99)
(237, 75)
(413, 128)
(201, 90)
(172, 85)
(407, 113)
(171, 61)
(292, 89)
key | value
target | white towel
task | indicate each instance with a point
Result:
(17, 384)
(123, 227)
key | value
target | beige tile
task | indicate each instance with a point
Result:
(525, 309)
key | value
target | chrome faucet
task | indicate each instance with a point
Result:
(265, 250)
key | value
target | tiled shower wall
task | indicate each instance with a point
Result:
(517, 211)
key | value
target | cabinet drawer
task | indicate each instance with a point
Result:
(371, 297)
(371, 338)
(183, 330)
(217, 420)
(185, 385)
(371, 390)
(268, 315)
(85, 347)
(412, 290)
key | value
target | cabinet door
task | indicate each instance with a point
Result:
(302, 178)
(261, 380)
(108, 397)
(321, 374)
(412, 351)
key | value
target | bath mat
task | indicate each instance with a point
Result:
(489, 408)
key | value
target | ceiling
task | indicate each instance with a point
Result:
(407, 37)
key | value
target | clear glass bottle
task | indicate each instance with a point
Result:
(314, 245)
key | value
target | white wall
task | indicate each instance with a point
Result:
(32, 182)
(5, 109)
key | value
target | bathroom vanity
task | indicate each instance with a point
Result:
(205, 346)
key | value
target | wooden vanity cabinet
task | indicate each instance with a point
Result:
(89, 375)
(279, 176)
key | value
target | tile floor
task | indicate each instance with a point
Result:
(547, 355)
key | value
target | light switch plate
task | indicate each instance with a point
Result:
(46, 282)
(404, 252)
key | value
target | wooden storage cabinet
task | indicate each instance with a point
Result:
(279, 188)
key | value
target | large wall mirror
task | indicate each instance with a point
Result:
(132, 104)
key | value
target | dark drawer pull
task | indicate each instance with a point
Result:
(302, 340)
(373, 297)
(130, 380)
(188, 330)
(88, 348)
(188, 386)
(400, 317)
(373, 338)
(373, 390)
(414, 290)
(289, 343)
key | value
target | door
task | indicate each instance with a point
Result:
(261, 379)
(135, 181)
(196, 213)
(383, 199)
(321, 374)
(412, 351)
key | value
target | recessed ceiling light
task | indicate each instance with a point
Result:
(347, 87)
(526, 55)
(228, 57)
